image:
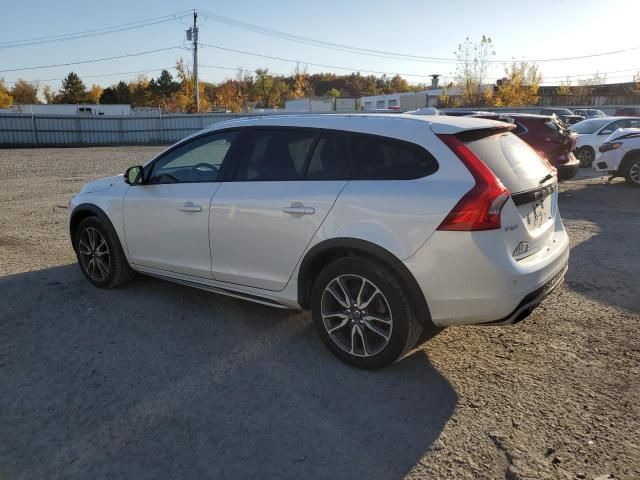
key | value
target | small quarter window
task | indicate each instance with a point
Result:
(520, 129)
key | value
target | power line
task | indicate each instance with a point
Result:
(136, 54)
(323, 44)
(98, 75)
(355, 69)
(592, 74)
(309, 63)
(91, 33)
(387, 54)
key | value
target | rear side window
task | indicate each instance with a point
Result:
(520, 128)
(330, 159)
(380, 158)
(275, 155)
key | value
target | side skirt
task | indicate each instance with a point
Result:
(210, 288)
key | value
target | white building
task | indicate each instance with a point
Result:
(69, 109)
(411, 100)
(320, 105)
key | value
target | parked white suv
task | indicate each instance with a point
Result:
(593, 132)
(619, 155)
(384, 226)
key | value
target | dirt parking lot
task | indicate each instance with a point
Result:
(156, 380)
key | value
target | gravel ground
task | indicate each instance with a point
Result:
(156, 380)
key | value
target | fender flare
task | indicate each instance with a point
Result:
(316, 258)
(628, 157)
(79, 213)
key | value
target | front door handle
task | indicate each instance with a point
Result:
(297, 208)
(189, 207)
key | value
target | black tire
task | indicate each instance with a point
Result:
(403, 333)
(118, 272)
(586, 155)
(632, 172)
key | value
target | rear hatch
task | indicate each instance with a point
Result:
(532, 183)
(561, 141)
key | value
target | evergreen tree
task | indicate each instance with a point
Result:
(165, 85)
(73, 90)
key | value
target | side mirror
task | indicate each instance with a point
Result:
(133, 175)
(606, 132)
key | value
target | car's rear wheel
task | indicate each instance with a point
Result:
(363, 314)
(100, 254)
(632, 172)
(586, 155)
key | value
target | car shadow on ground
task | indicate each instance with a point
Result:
(156, 380)
(606, 232)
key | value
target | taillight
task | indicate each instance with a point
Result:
(480, 207)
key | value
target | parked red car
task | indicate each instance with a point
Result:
(548, 135)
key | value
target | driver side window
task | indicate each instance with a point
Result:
(197, 161)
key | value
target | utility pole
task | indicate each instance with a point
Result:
(192, 34)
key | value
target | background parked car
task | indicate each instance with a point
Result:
(566, 115)
(461, 113)
(548, 135)
(594, 131)
(628, 112)
(589, 112)
(620, 155)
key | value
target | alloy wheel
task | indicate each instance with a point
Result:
(94, 254)
(356, 315)
(634, 172)
(585, 155)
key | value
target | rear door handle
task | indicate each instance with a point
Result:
(297, 208)
(189, 207)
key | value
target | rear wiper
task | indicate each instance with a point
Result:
(549, 176)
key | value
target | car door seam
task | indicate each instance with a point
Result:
(306, 248)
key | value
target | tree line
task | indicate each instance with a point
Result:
(257, 89)
(518, 86)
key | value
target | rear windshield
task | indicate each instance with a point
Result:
(589, 126)
(512, 160)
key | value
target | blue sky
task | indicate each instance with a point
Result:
(520, 30)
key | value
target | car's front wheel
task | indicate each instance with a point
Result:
(363, 314)
(632, 172)
(586, 155)
(100, 255)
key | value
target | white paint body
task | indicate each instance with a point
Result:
(610, 160)
(242, 243)
(610, 125)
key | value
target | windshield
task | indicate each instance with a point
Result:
(589, 126)
(557, 111)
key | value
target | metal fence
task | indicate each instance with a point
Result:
(66, 130)
(19, 129)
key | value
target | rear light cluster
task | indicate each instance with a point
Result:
(480, 207)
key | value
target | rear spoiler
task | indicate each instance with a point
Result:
(479, 133)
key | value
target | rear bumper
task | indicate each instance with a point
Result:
(531, 301)
(470, 278)
(568, 170)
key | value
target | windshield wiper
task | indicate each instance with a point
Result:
(549, 176)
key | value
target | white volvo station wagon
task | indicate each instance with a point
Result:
(386, 227)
